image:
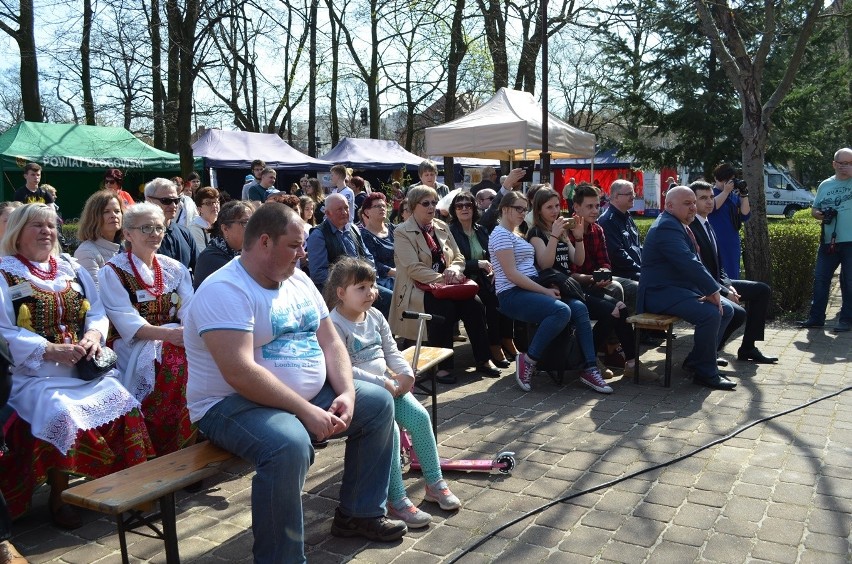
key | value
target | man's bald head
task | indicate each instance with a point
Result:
(680, 202)
(337, 210)
(843, 164)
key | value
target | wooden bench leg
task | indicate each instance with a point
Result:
(668, 375)
(167, 511)
(637, 330)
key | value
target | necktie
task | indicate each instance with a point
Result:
(695, 246)
(709, 229)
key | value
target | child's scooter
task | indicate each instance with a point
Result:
(504, 462)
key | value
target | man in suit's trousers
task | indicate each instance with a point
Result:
(674, 282)
(756, 294)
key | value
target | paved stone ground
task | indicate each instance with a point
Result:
(780, 491)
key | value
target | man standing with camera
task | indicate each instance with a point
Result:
(833, 206)
(731, 209)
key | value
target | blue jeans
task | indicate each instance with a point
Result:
(279, 446)
(826, 264)
(552, 316)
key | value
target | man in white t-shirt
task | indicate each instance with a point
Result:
(269, 374)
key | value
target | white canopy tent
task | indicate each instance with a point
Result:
(508, 127)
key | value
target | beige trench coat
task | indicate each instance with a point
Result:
(414, 263)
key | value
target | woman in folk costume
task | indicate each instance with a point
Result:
(145, 295)
(54, 321)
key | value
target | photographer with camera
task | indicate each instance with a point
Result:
(731, 209)
(833, 208)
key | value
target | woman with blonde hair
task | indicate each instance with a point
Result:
(99, 231)
(69, 420)
(426, 252)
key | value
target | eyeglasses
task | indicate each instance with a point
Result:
(631, 194)
(110, 181)
(843, 163)
(378, 207)
(520, 209)
(149, 229)
(429, 203)
(213, 203)
(242, 222)
(464, 206)
(166, 201)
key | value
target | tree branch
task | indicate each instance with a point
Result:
(786, 83)
(711, 31)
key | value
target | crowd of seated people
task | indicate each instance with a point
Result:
(170, 297)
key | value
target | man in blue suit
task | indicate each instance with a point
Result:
(674, 282)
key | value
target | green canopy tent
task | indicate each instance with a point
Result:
(75, 157)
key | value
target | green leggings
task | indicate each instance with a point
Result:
(414, 417)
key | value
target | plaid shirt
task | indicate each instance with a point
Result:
(596, 255)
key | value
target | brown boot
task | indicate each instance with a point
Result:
(10, 555)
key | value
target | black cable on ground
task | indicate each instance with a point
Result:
(626, 477)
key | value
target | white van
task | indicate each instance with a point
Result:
(784, 195)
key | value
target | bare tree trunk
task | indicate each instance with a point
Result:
(86, 64)
(184, 32)
(173, 81)
(157, 90)
(24, 36)
(312, 86)
(495, 37)
(335, 69)
(458, 50)
(373, 81)
(756, 253)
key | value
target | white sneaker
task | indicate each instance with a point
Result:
(406, 512)
(440, 493)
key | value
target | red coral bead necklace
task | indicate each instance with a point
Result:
(157, 288)
(49, 274)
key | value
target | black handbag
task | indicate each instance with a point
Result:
(97, 366)
(568, 287)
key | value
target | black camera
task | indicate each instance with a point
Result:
(740, 186)
(828, 215)
(601, 275)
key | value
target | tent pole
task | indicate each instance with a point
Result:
(592, 170)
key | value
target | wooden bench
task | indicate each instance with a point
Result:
(654, 322)
(429, 359)
(131, 489)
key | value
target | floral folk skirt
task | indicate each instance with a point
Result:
(111, 447)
